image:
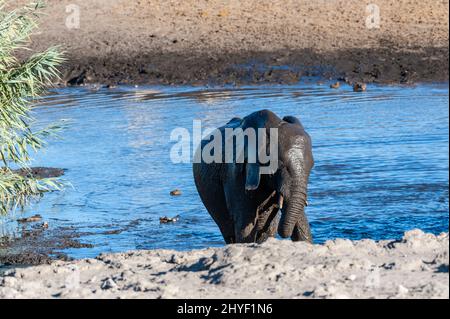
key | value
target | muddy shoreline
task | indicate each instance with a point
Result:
(36, 241)
(234, 42)
(38, 245)
(382, 66)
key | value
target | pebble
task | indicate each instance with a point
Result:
(108, 284)
(165, 219)
(352, 277)
(402, 290)
(32, 219)
(359, 87)
(335, 85)
(9, 282)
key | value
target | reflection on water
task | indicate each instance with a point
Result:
(381, 161)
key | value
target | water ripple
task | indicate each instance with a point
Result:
(381, 160)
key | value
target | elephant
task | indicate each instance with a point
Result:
(244, 202)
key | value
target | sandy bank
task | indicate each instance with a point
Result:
(233, 41)
(414, 267)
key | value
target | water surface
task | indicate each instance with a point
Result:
(381, 161)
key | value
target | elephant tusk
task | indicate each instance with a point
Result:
(280, 201)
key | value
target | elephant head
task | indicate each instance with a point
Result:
(289, 179)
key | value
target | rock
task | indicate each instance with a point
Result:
(359, 87)
(351, 277)
(78, 80)
(9, 282)
(94, 88)
(108, 284)
(166, 220)
(32, 219)
(175, 192)
(335, 85)
(40, 172)
(402, 290)
(223, 13)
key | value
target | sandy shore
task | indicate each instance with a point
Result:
(233, 41)
(414, 267)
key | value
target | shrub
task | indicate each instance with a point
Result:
(21, 83)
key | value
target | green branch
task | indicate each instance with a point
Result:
(20, 84)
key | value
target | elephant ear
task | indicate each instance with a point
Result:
(235, 120)
(251, 169)
(256, 120)
(293, 120)
(252, 176)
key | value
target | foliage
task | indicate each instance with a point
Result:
(21, 83)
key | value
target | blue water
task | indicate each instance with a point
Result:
(381, 160)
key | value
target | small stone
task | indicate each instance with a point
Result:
(32, 219)
(174, 259)
(223, 13)
(351, 277)
(79, 79)
(9, 282)
(175, 192)
(335, 85)
(402, 290)
(166, 220)
(108, 284)
(359, 87)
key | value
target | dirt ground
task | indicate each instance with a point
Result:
(34, 242)
(38, 245)
(413, 267)
(232, 41)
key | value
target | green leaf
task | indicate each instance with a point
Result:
(21, 83)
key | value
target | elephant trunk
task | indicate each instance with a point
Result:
(293, 221)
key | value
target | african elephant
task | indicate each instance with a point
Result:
(242, 200)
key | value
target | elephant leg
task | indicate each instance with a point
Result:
(212, 195)
(267, 224)
(243, 211)
(302, 232)
(245, 230)
(217, 207)
(273, 228)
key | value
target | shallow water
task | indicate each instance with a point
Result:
(381, 161)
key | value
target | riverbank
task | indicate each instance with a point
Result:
(235, 42)
(414, 267)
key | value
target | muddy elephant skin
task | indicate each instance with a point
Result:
(244, 202)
